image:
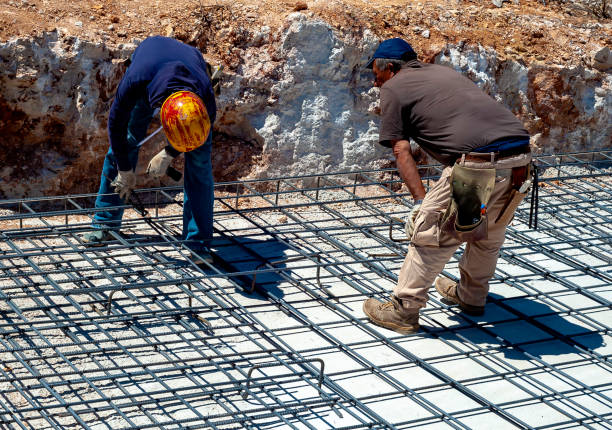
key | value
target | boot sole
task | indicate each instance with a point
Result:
(392, 326)
(98, 244)
(94, 244)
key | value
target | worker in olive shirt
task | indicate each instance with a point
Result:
(487, 156)
(172, 76)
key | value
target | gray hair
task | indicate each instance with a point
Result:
(381, 63)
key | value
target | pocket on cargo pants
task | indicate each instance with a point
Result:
(427, 229)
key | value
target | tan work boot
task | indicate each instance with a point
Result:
(392, 315)
(448, 290)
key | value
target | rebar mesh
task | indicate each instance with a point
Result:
(271, 334)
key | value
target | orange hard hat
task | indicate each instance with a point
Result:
(185, 121)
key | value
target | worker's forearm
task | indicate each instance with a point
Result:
(409, 173)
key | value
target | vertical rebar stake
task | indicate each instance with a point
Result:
(277, 191)
(157, 204)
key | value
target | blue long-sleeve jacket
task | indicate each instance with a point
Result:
(160, 66)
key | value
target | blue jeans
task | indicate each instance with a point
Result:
(198, 184)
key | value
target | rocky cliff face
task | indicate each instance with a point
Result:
(56, 92)
(296, 101)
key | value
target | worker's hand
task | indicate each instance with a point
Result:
(124, 183)
(159, 164)
(410, 221)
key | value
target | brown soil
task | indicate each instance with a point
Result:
(553, 32)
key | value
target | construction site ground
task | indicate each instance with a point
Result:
(272, 334)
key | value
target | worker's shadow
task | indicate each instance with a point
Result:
(523, 327)
(255, 265)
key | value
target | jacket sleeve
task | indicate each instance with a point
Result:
(127, 95)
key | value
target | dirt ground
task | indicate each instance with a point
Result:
(548, 31)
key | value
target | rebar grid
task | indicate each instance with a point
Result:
(272, 335)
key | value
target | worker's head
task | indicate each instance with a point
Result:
(185, 120)
(389, 58)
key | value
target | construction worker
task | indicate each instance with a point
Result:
(487, 156)
(172, 76)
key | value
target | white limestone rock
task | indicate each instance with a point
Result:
(602, 60)
(300, 95)
(321, 119)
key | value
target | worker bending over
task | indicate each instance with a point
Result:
(487, 156)
(167, 74)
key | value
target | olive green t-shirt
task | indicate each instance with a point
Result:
(443, 111)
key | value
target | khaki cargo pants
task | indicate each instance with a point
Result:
(431, 248)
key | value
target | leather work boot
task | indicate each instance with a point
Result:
(392, 315)
(97, 237)
(448, 290)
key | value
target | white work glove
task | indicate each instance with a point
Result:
(159, 164)
(124, 183)
(410, 221)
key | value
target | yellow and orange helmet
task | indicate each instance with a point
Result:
(185, 121)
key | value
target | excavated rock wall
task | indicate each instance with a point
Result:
(297, 102)
(56, 91)
(565, 109)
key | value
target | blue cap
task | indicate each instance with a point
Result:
(393, 49)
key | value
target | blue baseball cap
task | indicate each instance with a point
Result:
(393, 49)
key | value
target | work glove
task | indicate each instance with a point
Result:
(410, 221)
(159, 164)
(124, 183)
